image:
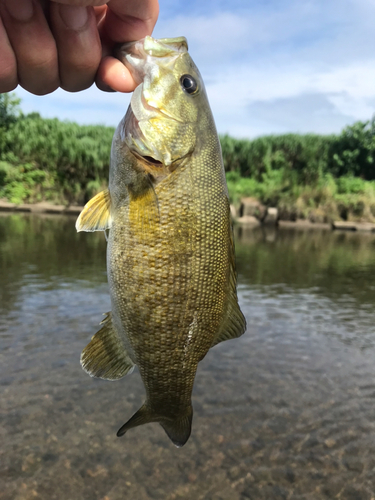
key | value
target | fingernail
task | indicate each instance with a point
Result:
(20, 10)
(74, 17)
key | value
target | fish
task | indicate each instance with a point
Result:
(170, 251)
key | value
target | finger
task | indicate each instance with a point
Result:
(8, 63)
(100, 14)
(130, 20)
(114, 76)
(82, 3)
(78, 45)
(33, 45)
(124, 21)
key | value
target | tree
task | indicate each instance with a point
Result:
(9, 109)
(353, 152)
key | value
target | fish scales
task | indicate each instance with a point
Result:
(170, 254)
(179, 287)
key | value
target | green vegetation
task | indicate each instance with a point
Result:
(314, 176)
(46, 159)
(320, 177)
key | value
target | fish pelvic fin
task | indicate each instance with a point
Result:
(178, 429)
(105, 356)
(96, 214)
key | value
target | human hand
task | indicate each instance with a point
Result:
(46, 44)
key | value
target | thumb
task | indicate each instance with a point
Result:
(125, 21)
(129, 20)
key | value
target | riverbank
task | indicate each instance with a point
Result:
(43, 207)
(251, 212)
(244, 220)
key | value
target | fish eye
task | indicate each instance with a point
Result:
(189, 84)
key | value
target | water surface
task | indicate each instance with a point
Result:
(285, 412)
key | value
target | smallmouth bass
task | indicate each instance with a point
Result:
(170, 253)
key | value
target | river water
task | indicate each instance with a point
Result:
(285, 412)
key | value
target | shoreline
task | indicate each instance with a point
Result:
(40, 208)
(49, 208)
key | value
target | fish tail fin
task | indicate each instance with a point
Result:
(178, 429)
(143, 416)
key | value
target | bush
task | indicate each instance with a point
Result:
(25, 182)
(71, 157)
(352, 153)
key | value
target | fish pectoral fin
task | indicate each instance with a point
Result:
(96, 214)
(105, 356)
(177, 429)
(234, 323)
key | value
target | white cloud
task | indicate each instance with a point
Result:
(272, 101)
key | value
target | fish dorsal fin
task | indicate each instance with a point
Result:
(96, 214)
(105, 356)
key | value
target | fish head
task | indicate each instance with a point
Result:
(160, 126)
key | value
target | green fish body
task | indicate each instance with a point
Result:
(170, 254)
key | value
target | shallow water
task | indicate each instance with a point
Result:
(285, 412)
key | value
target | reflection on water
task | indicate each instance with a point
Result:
(285, 412)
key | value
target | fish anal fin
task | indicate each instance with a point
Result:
(178, 428)
(96, 214)
(233, 324)
(105, 356)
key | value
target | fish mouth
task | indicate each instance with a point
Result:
(152, 160)
(137, 141)
(137, 121)
(138, 55)
(148, 114)
(143, 59)
(148, 156)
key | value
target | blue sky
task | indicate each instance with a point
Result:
(269, 67)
